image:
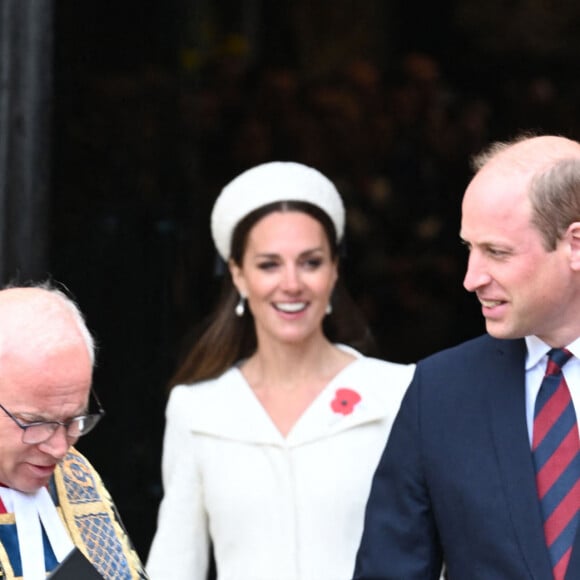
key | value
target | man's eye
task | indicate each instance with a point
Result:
(497, 253)
(29, 423)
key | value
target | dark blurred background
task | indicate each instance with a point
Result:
(143, 111)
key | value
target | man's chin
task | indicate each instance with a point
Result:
(500, 330)
(33, 480)
(26, 487)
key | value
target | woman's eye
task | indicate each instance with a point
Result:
(267, 265)
(313, 263)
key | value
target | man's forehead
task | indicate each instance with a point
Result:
(535, 154)
(27, 298)
(34, 331)
(28, 308)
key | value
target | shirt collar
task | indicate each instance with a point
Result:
(538, 349)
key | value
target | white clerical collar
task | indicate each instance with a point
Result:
(30, 509)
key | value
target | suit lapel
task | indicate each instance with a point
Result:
(573, 572)
(506, 407)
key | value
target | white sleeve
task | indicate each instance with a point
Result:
(180, 547)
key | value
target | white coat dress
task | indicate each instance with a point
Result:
(274, 507)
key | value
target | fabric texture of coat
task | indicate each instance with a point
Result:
(456, 482)
(274, 507)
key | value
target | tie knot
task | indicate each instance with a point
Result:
(557, 358)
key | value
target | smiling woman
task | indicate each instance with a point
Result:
(285, 188)
(275, 425)
(287, 276)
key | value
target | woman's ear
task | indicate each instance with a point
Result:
(237, 277)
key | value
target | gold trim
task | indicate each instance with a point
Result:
(6, 566)
(90, 517)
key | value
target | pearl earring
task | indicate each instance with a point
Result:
(328, 308)
(240, 306)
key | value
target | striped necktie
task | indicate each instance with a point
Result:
(555, 450)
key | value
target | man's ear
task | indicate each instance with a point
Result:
(573, 236)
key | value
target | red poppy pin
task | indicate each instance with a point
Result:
(344, 401)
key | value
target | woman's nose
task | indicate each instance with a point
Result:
(291, 279)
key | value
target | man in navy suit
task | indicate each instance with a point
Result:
(456, 484)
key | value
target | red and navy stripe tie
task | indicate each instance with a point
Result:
(556, 454)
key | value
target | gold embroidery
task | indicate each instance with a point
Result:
(89, 515)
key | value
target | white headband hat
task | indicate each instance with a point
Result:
(269, 183)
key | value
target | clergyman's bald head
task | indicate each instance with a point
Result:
(33, 319)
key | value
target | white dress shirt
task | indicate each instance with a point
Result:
(536, 362)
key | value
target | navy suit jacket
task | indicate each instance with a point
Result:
(456, 482)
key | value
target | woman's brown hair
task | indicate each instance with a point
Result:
(224, 338)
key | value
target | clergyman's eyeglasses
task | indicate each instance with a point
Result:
(36, 432)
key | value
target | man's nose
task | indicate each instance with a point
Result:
(57, 444)
(476, 274)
